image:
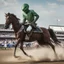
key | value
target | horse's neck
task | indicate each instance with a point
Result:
(16, 26)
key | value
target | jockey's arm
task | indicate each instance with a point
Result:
(36, 16)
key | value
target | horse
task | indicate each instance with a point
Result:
(42, 38)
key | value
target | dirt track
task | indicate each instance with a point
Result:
(33, 63)
(39, 56)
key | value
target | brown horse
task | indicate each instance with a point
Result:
(42, 38)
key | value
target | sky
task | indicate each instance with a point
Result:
(51, 12)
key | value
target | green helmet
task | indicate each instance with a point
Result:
(25, 7)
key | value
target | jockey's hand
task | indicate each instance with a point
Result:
(26, 23)
(33, 23)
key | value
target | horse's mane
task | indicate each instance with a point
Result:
(15, 17)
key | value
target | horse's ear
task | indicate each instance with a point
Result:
(5, 13)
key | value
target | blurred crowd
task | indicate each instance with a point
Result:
(11, 43)
(7, 43)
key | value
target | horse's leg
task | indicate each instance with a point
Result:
(53, 47)
(21, 47)
(48, 43)
(18, 41)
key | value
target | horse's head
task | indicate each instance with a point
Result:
(10, 18)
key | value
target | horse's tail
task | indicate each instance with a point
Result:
(53, 36)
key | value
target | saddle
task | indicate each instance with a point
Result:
(31, 31)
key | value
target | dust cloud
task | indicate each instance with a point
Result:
(44, 53)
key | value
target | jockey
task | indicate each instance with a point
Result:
(29, 16)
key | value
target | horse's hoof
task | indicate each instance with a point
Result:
(30, 56)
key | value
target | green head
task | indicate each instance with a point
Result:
(25, 7)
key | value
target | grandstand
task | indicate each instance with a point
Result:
(6, 33)
(8, 36)
(9, 33)
(59, 31)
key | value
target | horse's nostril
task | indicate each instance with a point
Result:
(6, 27)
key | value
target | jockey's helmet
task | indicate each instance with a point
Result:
(25, 7)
